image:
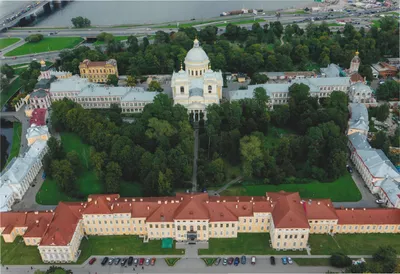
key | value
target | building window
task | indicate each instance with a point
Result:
(151, 226)
(279, 236)
(182, 89)
(184, 227)
(302, 236)
(209, 89)
(204, 227)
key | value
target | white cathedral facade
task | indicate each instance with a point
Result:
(198, 85)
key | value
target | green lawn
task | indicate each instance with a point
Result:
(312, 261)
(5, 42)
(245, 243)
(122, 245)
(16, 142)
(87, 182)
(341, 190)
(334, 25)
(376, 23)
(352, 244)
(10, 91)
(18, 253)
(171, 261)
(116, 38)
(47, 44)
(209, 261)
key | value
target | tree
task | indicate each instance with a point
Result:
(387, 256)
(131, 81)
(7, 70)
(4, 83)
(251, 152)
(209, 34)
(388, 90)
(80, 22)
(366, 71)
(165, 182)
(34, 38)
(73, 158)
(340, 260)
(155, 86)
(260, 95)
(133, 44)
(105, 36)
(55, 149)
(98, 161)
(258, 79)
(113, 177)
(382, 112)
(380, 141)
(112, 79)
(63, 173)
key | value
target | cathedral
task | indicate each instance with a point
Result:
(197, 86)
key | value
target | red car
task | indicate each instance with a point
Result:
(92, 260)
(230, 261)
(141, 261)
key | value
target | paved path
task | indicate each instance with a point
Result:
(367, 200)
(217, 192)
(196, 155)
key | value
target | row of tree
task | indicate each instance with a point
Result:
(271, 47)
(155, 150)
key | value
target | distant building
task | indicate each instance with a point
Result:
(47, 73)
(98, 71)
(385, 70)
(39, 99)
(360, 93)
(35, 133)
(332, 70)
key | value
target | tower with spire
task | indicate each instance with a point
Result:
(44, 71)
(355, 63)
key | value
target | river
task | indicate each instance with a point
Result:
(7, 132)
(148, 12)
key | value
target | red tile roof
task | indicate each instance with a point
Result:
(35, 222)
(94, 63)
(368, 216)
(38, 117)
(320, 209)
(355, 77)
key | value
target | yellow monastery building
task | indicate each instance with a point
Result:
(190, 217)
(98, 71)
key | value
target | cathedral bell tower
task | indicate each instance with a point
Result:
(355, 63)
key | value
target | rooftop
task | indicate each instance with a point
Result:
(38, 117)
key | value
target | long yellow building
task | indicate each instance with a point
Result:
(98, 71)
(190, 217)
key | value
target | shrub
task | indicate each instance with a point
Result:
(340, 260)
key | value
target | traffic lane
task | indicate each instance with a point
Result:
(27, 59)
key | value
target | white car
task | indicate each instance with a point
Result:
(290, 261)
(379, 201)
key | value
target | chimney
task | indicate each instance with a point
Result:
(126, 200)
(108, 199)
(133, 200)
(141, 199)
(207, 202)
(272, 205)
(117, 204)
(37, 221)
(172, 201)
(318, 203)
(268, 198)
(223, 201)
(347, 209)
(236, 206)
(217, 201)
(166, 202)
(130, 204)
(112, 206)
(352, 208)
(159, 202)
(36, 212)
(364, 208)
(148, 208)
(95, 202)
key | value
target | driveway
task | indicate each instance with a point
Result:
(367, 200)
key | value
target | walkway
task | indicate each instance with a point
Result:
(226, 186)
(195, 157)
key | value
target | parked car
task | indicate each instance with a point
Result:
(110, 261)
(147, 262)
(272, 260)
(141, 261)
(290, 261)
(243, 260)
(284, 260)
(224, 261)
(130, 261)
(117, 261)
(136, 261)
(104, 261)
(92, 260)
(124, 261)
(349, 169)
(217, 261)
(253, 260)
(379, 201)
(153, 261)
(236, 261)
(230, 261)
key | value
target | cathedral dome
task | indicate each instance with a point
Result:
(196, 54)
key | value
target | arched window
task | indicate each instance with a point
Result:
(179, 227)
(204, 227)
(182, 90)
(198, 227)
(184, 227)
(192, 72)
(209, 89)
(200, 72)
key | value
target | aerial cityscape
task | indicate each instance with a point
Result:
(200, 136)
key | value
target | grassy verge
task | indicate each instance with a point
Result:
(171, 261)
(209, 261)
(16, 141)
(295, 12)
(352, 244)
(6, 42)
(245, 243)
(87, 182)
(122, 245)
(341, 190)
(312, 261)
(17, 253)
(116, 38)
(47, 44)
(335, 25)
(10, 91)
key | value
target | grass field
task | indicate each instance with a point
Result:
(18, 253)
(5, 42)
(245, 243)
(47, 44)
(117, 38)
(122, 245)
(87, 183)
(342, 190)
(334, 25)
(16, 142)
(10, 91)
(352, 244)
(376, 23)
